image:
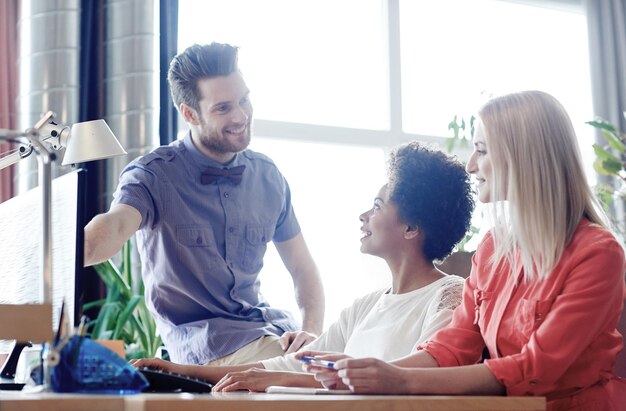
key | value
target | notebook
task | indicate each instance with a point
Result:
(277, 389)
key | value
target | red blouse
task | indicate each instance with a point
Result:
(554, 337)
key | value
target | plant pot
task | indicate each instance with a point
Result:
(117, 346)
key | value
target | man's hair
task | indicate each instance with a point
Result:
(432, 192)
(195, 63)
(538, 169)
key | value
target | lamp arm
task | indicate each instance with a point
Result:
(15, 156)
(11, 135)
(46, 130)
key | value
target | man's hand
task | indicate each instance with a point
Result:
(292, 341)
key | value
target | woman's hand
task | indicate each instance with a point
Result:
(254, 379)
(327, 376)
(156, 363)
(292, 341)
(372, 376)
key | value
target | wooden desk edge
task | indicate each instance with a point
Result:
(266, 402)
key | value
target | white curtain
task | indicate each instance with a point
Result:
(606, 20)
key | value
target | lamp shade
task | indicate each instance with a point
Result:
(91, 140)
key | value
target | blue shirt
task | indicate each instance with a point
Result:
(202, 248)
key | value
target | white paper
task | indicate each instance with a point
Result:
(278, 389)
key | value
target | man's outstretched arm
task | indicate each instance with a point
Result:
(106, 233)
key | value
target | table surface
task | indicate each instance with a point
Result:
(239, 401)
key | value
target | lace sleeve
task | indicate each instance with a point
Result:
(443, 303)
(451, 294)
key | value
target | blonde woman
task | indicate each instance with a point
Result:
(547, 283)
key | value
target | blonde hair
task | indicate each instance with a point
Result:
(537, 168)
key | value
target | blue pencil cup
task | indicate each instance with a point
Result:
(87, 367)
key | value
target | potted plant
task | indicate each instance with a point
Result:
(462, 132)
(123, 314)
(611, 162)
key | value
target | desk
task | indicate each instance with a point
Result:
(241, 401)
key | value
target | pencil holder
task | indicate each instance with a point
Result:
(87, 367)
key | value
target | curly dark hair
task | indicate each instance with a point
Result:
(432, 191)
(197, 62)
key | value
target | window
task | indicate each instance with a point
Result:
(453, 61)
(305, 62)
(335, 84)
(331, 185)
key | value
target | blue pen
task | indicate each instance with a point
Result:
(317, 362)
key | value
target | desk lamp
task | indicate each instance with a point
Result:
(86, 141)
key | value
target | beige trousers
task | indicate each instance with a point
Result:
(260, 349)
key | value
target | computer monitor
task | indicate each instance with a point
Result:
(20, 250)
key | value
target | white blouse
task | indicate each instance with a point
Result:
(384, 325)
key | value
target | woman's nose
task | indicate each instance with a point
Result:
(470, 167)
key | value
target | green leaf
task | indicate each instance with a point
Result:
(126, 264)
(106, 272)
(607, 167)
(605, 194)
(143, 338)
(93, 304)
(614, 141)
(602, 124)
(603, 154)
(451, 144)
(612, 166)
(125, 314)
(107, 314)
(146, 318)
(115, 279)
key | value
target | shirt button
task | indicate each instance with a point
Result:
(199, 240)
(533, 383)
(226, 195)
(231, 230)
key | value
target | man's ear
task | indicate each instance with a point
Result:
(189, 114)
(411, 232)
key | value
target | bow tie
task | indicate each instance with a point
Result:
(223, 175)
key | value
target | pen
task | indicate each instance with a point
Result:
(59, 333)
(82, 327)
(317, 362)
